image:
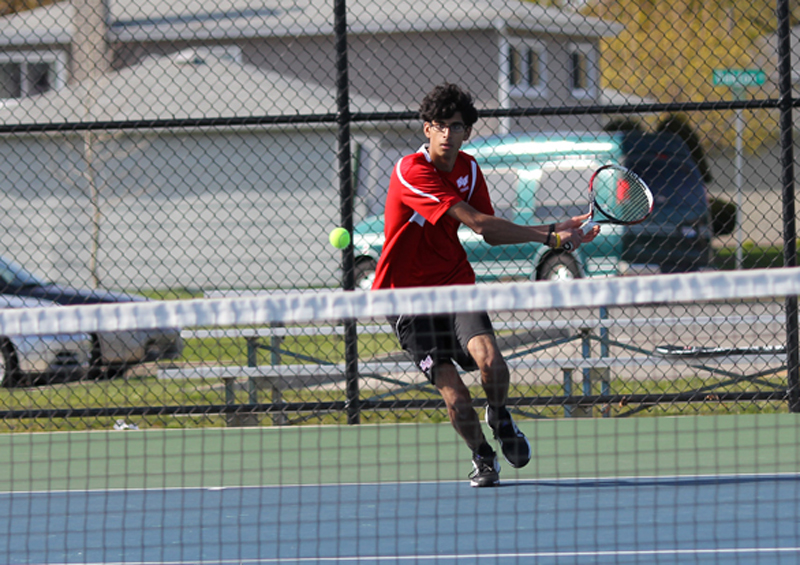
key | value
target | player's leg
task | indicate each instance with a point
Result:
(431, 342)
(458, 400)
(482, 347)
(493, 369)
(465, 420)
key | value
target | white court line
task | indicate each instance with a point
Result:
(544, 481)
(734, 551)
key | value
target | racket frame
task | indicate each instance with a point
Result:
(610, 219)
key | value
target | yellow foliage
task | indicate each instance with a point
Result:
(669, 50)
(13, 6)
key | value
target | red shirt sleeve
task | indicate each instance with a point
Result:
(423, 190)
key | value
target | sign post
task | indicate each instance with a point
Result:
(738, 80)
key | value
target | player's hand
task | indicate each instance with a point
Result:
(570, 231)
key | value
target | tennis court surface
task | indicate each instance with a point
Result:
(706, 489)
(310, 475)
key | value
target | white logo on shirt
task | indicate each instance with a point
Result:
(426, 363)
(463, 183)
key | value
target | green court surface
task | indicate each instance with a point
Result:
(569, 448)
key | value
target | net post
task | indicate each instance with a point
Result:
(586, 353)
(253, 385)
(567, 375)
(604, 373)
(276, 396)
(351, 372)
(231, 419)
(789, 227)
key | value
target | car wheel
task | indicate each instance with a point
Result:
(9, 372)
(561, 267)
(365, 273)
(117, 370)
(96, 368)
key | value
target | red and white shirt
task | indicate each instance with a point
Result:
(421, 245)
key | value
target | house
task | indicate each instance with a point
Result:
(203, 208)
(187, 207)
(511, 53)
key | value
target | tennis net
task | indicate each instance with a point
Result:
(294, 429)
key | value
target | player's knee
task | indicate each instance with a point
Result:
(461, 410)
(494, 366)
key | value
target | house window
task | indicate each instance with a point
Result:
(10, 80)
(526, 67)
(582, 71)
(28, 74)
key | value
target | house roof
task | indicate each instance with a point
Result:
(160, 20)
(195, 83)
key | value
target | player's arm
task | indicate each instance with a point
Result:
(499, 231)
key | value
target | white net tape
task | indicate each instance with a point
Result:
(332, 305)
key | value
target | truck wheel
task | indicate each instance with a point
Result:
(9, 374)
(561, 267)
(365, 273)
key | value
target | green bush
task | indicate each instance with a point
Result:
(723, 216)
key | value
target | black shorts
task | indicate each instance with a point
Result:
(433, 339)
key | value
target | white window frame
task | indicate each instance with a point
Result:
(590, 54)
(56, 59)
(525, 89)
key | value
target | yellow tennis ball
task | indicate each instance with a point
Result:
(339, 238)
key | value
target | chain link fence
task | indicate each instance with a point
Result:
(189, 149)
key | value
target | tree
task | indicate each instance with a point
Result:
(668, 50)
(8, 7)
(679, 124)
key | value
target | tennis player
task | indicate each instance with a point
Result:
(431, 193)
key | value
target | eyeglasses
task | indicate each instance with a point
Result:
(456, 127)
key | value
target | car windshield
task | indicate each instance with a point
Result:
(675, 186)
(665, 164)
(12, 274)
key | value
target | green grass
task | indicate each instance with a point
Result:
(293, 350)
(753, 257)
(150, 391)
(169, 294)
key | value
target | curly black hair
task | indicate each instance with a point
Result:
(444, 101)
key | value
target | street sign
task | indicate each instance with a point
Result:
(739, 78)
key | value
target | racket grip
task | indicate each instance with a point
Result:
(585, 228)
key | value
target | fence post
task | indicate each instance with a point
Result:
(789, 227)
(346, 198)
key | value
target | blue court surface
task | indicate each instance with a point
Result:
(747, 519)
(710, 489)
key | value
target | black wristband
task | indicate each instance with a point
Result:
(550, 234)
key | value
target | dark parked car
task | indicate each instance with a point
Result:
(112, 352)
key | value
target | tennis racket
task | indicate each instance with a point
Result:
(616, 196)
(700, 351)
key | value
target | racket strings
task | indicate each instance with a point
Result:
(626, 198)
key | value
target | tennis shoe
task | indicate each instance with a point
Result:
(513, 442)
(485, 472)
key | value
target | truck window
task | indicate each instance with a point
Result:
(563, 190)
(504, 189)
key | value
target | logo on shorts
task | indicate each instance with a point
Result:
(426, 363)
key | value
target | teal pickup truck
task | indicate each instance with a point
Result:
(543, 179)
